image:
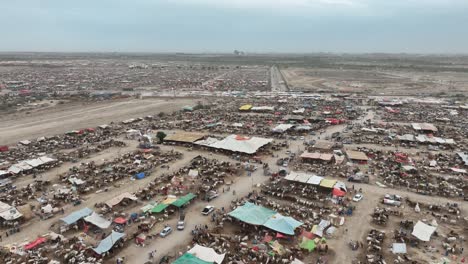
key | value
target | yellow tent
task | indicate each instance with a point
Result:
(245, 107)
(328, 183)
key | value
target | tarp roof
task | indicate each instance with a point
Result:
(245, 107)
(282, 128)
(35, 243)
(356, 155)
(184, 199)
(252, 214)
(187, 137)
(237, 143)
(159, 208)
(77, 215)
(188, 258)
(317, 156)
(424, 126)
(315, 180)
(399, 248)
(423, 231)
(328, 183)
(321, 144)
(206, 254)
(148, 207)
(116, 200)
(282, 224)
(97, 220)
(9, 212)
(107, 243)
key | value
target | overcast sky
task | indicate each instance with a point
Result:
(357, 26)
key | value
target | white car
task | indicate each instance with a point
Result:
(358, 197)
(207, 210)
(166, 231)
(180, 225)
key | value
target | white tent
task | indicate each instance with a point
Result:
(423, 231)
(315, 180)
(206, 254)
(237, 143)
(97, 220)
(399, 248)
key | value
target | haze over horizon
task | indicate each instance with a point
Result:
(256, 26)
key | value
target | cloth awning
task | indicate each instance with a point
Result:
(159, 208)
(282, 224)
(116, 200)
(423, 231)
(328, 183)
(120, 220)
(77, 215)
(107, 243)
(206, 254)
(97, 220)
(35, 243)
(399, 248)
(252, 214)
(188, 258)
(338, 192)
(315, 180)
(184, 199)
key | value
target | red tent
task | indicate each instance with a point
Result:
(35, 243)
(4, 148)
(338, 192)
(120, 220)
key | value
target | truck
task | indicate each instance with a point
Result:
(359, 177)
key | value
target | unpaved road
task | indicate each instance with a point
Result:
(278, 84)
(63, 118)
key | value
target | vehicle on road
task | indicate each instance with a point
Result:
(166, 231)
(358, 197)
(180, 225)
(211, 195)
(207, 210)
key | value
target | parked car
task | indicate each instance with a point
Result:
(358, 197)
(166, 231)
(180, 225)
(207, 210)
(211, 195)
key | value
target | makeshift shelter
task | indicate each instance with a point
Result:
(356, 155)
(281, 128)
(424, 127)
(188, 258)
(77, 215)
(326, 183)
(323, 145)
(183, 200)
(246, 107)
(140, 175)
(97, 220)
(116, 200)
(107, 243)
(8, 212)
(282, 224)
(184, 137)
(316, 156)
(252, 214)
(120, 220)
(159, 208)
(35, 243)
(237, 143)
(423, 231)
(206, 254)
(315, 180)
(308, 244)
(148, 207)
(399, 248)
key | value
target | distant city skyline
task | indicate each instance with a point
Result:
(252, 26)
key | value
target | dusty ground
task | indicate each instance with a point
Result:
(63, 118)
(375, 81)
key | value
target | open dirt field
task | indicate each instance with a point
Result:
(375, 81)
(63, 118)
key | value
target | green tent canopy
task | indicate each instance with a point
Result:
(188, 258)
(308, 244)
(252, 214)
(183, 200)
(159, 208)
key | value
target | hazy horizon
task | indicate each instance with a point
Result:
(254, 26)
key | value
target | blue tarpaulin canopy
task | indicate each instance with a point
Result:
(107, 243)
(140, 175)
(282, 224)
(77, 215)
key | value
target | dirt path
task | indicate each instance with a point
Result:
(59, 120)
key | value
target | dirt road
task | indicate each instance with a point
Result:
(278, 84)
(63, 118)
